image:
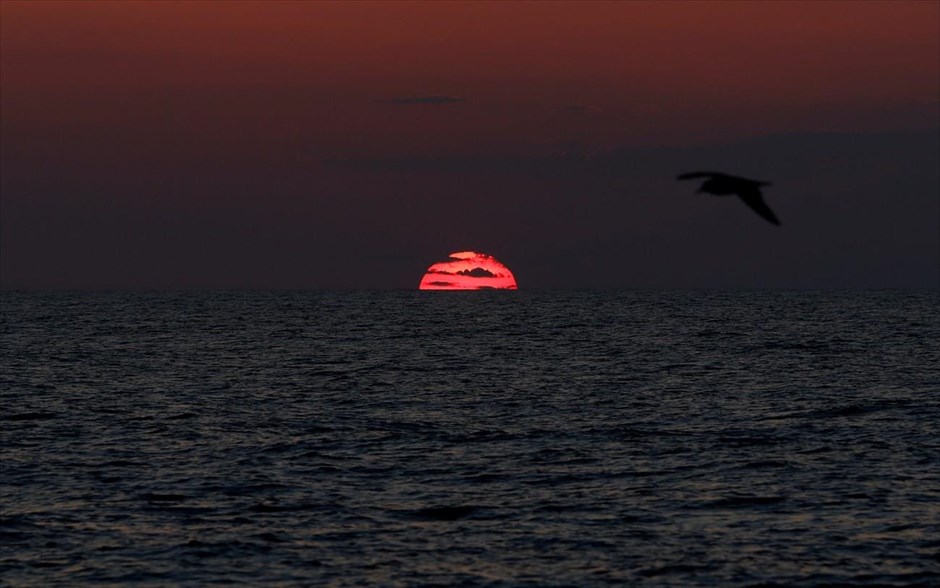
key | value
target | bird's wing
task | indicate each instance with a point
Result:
(698, 174)
(752, 197)
(708, 174)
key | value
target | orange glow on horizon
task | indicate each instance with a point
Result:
(468, 270)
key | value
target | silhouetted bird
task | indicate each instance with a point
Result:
(724, 185)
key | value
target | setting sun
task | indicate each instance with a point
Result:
(468, 270)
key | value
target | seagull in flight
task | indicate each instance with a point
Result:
(747, 190)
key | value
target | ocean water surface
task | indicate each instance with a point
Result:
(480, 438)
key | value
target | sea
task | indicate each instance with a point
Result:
(527, 438)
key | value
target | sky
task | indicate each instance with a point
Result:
(204, 145)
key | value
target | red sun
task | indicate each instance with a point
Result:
(468, 270)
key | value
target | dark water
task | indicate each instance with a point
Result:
(402, 438)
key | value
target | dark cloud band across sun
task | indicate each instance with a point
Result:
(469, 270)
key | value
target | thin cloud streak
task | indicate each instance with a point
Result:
(432, 100)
